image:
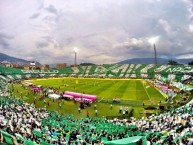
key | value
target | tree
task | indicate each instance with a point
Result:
(190, 63)
(172, 62)
(86, 64)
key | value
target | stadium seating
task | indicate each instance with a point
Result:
(51, 126)
(43, 127)
(149, 71)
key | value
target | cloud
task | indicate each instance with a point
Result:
(5, 36)
(51, 9)
(4, 43)
(4, 40)
(36, 15)
(41, 4)
(187, 56)
(166, 26)
(42, 44)
(30, 58)
(105, 31)
(191, 28)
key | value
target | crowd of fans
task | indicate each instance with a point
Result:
(164, 89)
(38, 125)
(26, 123)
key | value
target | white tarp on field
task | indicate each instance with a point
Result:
(50, 91)
(27, 83)
(54, 96)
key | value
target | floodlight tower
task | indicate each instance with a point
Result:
(75, 59)
(153, 41)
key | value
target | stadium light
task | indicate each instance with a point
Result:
(153, 41)
(75, 51)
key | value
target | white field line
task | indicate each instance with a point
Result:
(147, 92)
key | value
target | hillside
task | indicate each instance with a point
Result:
(152, 60)
(6, 58)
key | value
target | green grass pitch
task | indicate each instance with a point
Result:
(130, 92)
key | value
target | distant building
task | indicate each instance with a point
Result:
(45, 67)
(26, 67)
(20, 66)
(7, 64)
(32, 65)
(61, 65)
(14, 65)
(29, 66)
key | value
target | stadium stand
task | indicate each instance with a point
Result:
(92, 70)
(22, 123)
(30, 124)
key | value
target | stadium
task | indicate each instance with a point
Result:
(62, 104)
(96, 72)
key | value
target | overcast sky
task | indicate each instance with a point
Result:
(105, 31)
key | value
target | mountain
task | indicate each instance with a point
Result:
(6, 59)
(152, 60)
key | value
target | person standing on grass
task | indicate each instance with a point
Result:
(95, 107)
(111, 106)
(79, 110)
(21, 97)
(123, 113)
(96, 112)
(126, 110)
(87, 114)
(58, 102)
(120, 109)
(60, 105)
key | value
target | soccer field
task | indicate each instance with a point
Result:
(105, 88)
(131, 92)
